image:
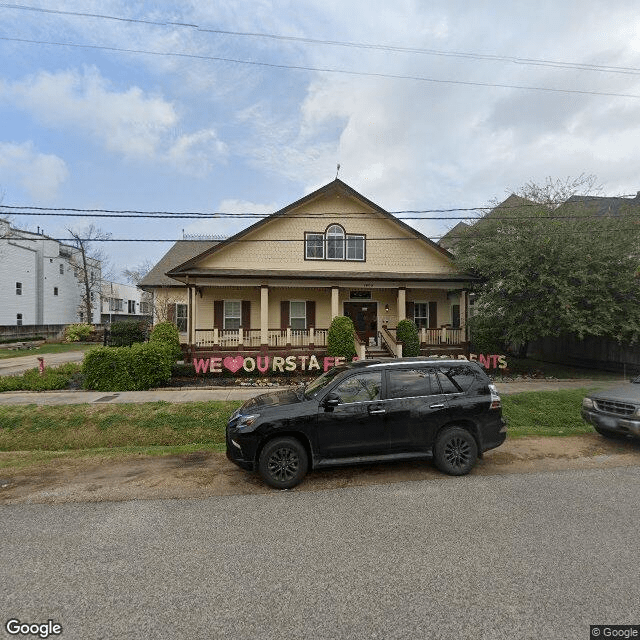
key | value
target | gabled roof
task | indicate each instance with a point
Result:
(180, 252)
(450, 239)
(332, 187)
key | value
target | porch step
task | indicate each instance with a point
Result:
(377, 352)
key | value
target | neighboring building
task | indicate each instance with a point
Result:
(125, 302)
(39, 277)
(280, 282)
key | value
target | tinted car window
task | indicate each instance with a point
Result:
(360, 388)
(464, 377)
(408, 383)
(446, 383)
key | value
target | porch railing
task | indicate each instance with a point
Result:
(232, 338)
(388, 338)
(444, 335)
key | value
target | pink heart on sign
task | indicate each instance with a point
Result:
(233, 364)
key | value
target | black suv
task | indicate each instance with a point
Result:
(370, 411)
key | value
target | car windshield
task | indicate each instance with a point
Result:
(313, 388)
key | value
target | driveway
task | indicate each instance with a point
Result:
(11, 366)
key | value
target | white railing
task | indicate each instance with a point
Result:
(231, 338)
(444, 335)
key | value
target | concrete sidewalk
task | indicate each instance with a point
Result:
(13, 366)
(235, 393)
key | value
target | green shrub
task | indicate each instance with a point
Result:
(124, 334)
(340, 338)
(407, 333)
(32, 380)
(167, 333)
(139, 367)
(487, 334)
(77, 332)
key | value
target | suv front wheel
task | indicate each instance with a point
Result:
(283, 463)
(455, 451)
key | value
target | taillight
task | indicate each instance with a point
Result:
(496, 403)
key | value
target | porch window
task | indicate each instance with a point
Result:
(298, 315)
(355, 247)
(314, 246)
(181, 317)
(232, 314)
(335, 242)
(455, 316)
(421, 314)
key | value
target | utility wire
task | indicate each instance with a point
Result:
(338, 43)
(368, 74)
(360, 215)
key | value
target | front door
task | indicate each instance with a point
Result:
(365, 318)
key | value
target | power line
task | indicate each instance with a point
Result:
(363, 215)
(339, 43)
(368, 74)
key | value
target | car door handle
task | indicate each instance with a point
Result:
(436, 406)
(373, 411)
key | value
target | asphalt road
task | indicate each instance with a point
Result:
(522, 556)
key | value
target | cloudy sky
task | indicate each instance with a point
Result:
(96, 126)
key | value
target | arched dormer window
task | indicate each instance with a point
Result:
(335, 242)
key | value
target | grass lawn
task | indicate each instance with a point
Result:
(32, 434)
(545, 413)
(46, 348)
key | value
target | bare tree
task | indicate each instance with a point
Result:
(554, 191)
(136, 274)
(88, 263)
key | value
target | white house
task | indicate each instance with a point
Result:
(125, 302)
(40, 280)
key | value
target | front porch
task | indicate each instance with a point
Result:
(225, 320)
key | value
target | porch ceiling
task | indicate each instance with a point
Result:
(365, 279)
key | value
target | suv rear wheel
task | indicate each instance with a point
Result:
(455, 451)
(283, 463)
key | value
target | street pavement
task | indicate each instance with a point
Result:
(532, 556)
(234, 393)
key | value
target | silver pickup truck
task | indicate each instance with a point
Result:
(614, 412)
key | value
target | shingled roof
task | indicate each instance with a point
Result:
(179, 253)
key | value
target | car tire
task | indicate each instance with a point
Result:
(455, 451)
(283, 463)
(612, 435)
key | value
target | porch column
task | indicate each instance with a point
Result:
(190, 332)
(334, 302)
(264, 315)
(402, 303)
(463, 314)
(194, 323)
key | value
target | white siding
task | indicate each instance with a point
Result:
(35, 261)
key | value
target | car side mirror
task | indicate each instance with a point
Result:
(332, 400)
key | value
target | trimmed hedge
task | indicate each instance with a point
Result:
(134, 368)
(166, 333)
(125, 333)
(78, 332)
(340, 338)
(407, 333)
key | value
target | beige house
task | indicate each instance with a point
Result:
(276, 286)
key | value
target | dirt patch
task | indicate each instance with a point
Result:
(206, 473)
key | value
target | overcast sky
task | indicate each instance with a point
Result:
(97, 128)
